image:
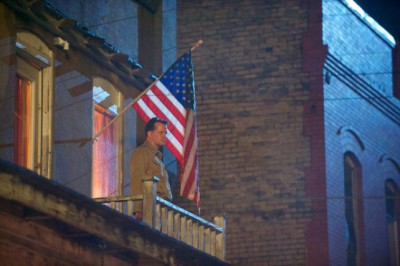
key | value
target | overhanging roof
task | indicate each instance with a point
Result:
(63, 28)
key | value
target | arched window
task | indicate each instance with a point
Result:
(353, 209)
(33, 105)
(107, 158)
(392, 202)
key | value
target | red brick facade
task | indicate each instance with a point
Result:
(261, 76)
(285, 89)
(254, 91)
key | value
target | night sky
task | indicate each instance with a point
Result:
(385, 12)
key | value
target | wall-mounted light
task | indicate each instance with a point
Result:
(58, 41)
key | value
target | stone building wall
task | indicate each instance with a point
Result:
(361, 118)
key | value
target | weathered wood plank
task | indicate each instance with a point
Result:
(170, 221)
(195, 235)
(82, 214)
(164, 220)
(77, 211)
(201, 238)
(177, 225)
(220, 237)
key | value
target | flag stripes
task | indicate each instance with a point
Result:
(172, 98)
(190, 160)
(147, 109)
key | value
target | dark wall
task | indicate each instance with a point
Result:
(358, 96)
(251, 91)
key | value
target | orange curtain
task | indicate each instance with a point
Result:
(105, 155)
(23, 136)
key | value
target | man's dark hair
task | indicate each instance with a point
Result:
(150, 126)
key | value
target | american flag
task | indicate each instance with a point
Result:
(172, 97)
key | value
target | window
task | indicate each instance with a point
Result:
(392, 200)
(23, 123)
(107, 158)
(353, 209)
(33, 103)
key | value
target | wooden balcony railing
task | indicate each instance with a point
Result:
(172, 220)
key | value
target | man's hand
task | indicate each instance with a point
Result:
(138, 216)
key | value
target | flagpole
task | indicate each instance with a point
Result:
(197, 44)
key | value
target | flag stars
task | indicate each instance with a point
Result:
(179, 80)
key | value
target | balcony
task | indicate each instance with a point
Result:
(41, 219)
(172, 220)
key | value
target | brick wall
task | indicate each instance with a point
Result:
(251, 91)
(355, 122)
(359, 45)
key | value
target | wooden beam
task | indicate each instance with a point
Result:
(73, 212)
(27, 240)
(88, 217)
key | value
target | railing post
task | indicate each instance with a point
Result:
(164, 220)
(202, 238)
(173, 221)
(177, 225)
(195, 234)
(220, 237)
(149, 199)
(170, 221)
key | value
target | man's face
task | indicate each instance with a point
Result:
(158, 136)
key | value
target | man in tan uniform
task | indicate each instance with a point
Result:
(146, 160)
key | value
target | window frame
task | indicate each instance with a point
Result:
(353, 204)
(392, 206)
(115, 99)
(34, 61)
